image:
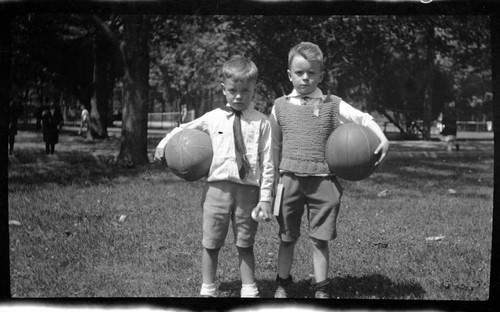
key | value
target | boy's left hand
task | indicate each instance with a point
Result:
(382, 148)
(265, 207)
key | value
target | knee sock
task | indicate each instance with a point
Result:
(208, 290)
(249, 291)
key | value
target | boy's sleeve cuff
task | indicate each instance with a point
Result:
(265, 195)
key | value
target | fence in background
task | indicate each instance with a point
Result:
(475, 126)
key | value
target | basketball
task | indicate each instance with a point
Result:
(189, 154)
(350, 152)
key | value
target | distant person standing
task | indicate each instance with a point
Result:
(39, 108)
(52, 121)
(184, 113)
(85, 119)
(15, 111)
(449, 120)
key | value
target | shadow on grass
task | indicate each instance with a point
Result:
(373, 286)
(467, 169)
(34, 167)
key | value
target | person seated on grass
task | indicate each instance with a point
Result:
(241, 175)
(307, 118)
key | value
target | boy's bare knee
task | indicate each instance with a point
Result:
(212, 251)
(319, 244)
(288, 244)
(245, 250)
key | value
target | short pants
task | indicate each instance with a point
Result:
(225, 202)
(321, 196)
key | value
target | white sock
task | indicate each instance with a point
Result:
(208, 290)
(249, 291)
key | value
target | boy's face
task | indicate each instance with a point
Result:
(305, 75)
(239, 94)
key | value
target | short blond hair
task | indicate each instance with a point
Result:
(307, 50)
(240, 68)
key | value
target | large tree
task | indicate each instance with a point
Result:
(135, 53)
(132, 47)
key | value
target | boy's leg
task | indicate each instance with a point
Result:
(245, 228)
(289, 221)
(321, 266)
(216, 218)
(320, 259)
(47, 148)
(324, 195)
(247, 268)
(247, 264)
(285, 259)
(209, 261)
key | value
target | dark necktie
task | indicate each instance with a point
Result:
(239, 143)
(304, 100)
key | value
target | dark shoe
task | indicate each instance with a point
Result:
(283, 285)
(322, 290)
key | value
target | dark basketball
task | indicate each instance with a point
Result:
(189, 154)
(350, 152)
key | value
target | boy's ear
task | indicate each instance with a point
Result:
(289, 74)
(223, 88)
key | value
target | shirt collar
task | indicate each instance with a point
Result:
(316, 94)
(246, 112)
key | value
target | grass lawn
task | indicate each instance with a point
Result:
(89, 229)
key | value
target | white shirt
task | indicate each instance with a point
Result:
(85, 114)
(256, 130)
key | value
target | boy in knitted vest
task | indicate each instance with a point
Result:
(301, 123)
(241, 175)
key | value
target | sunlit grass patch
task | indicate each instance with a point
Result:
(90, 229)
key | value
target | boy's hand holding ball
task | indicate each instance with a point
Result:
(258, 215)
(262, 212)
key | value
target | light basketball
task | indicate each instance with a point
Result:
(350, 152)
(189, 154)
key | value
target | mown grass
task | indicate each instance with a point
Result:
(71, 242)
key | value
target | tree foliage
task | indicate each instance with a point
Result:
(404, 67)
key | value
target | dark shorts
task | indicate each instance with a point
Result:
(320, 195)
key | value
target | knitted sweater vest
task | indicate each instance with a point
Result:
(304, 134)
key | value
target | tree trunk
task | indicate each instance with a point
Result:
(133, 149)
(101, 92)
(428, 108)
